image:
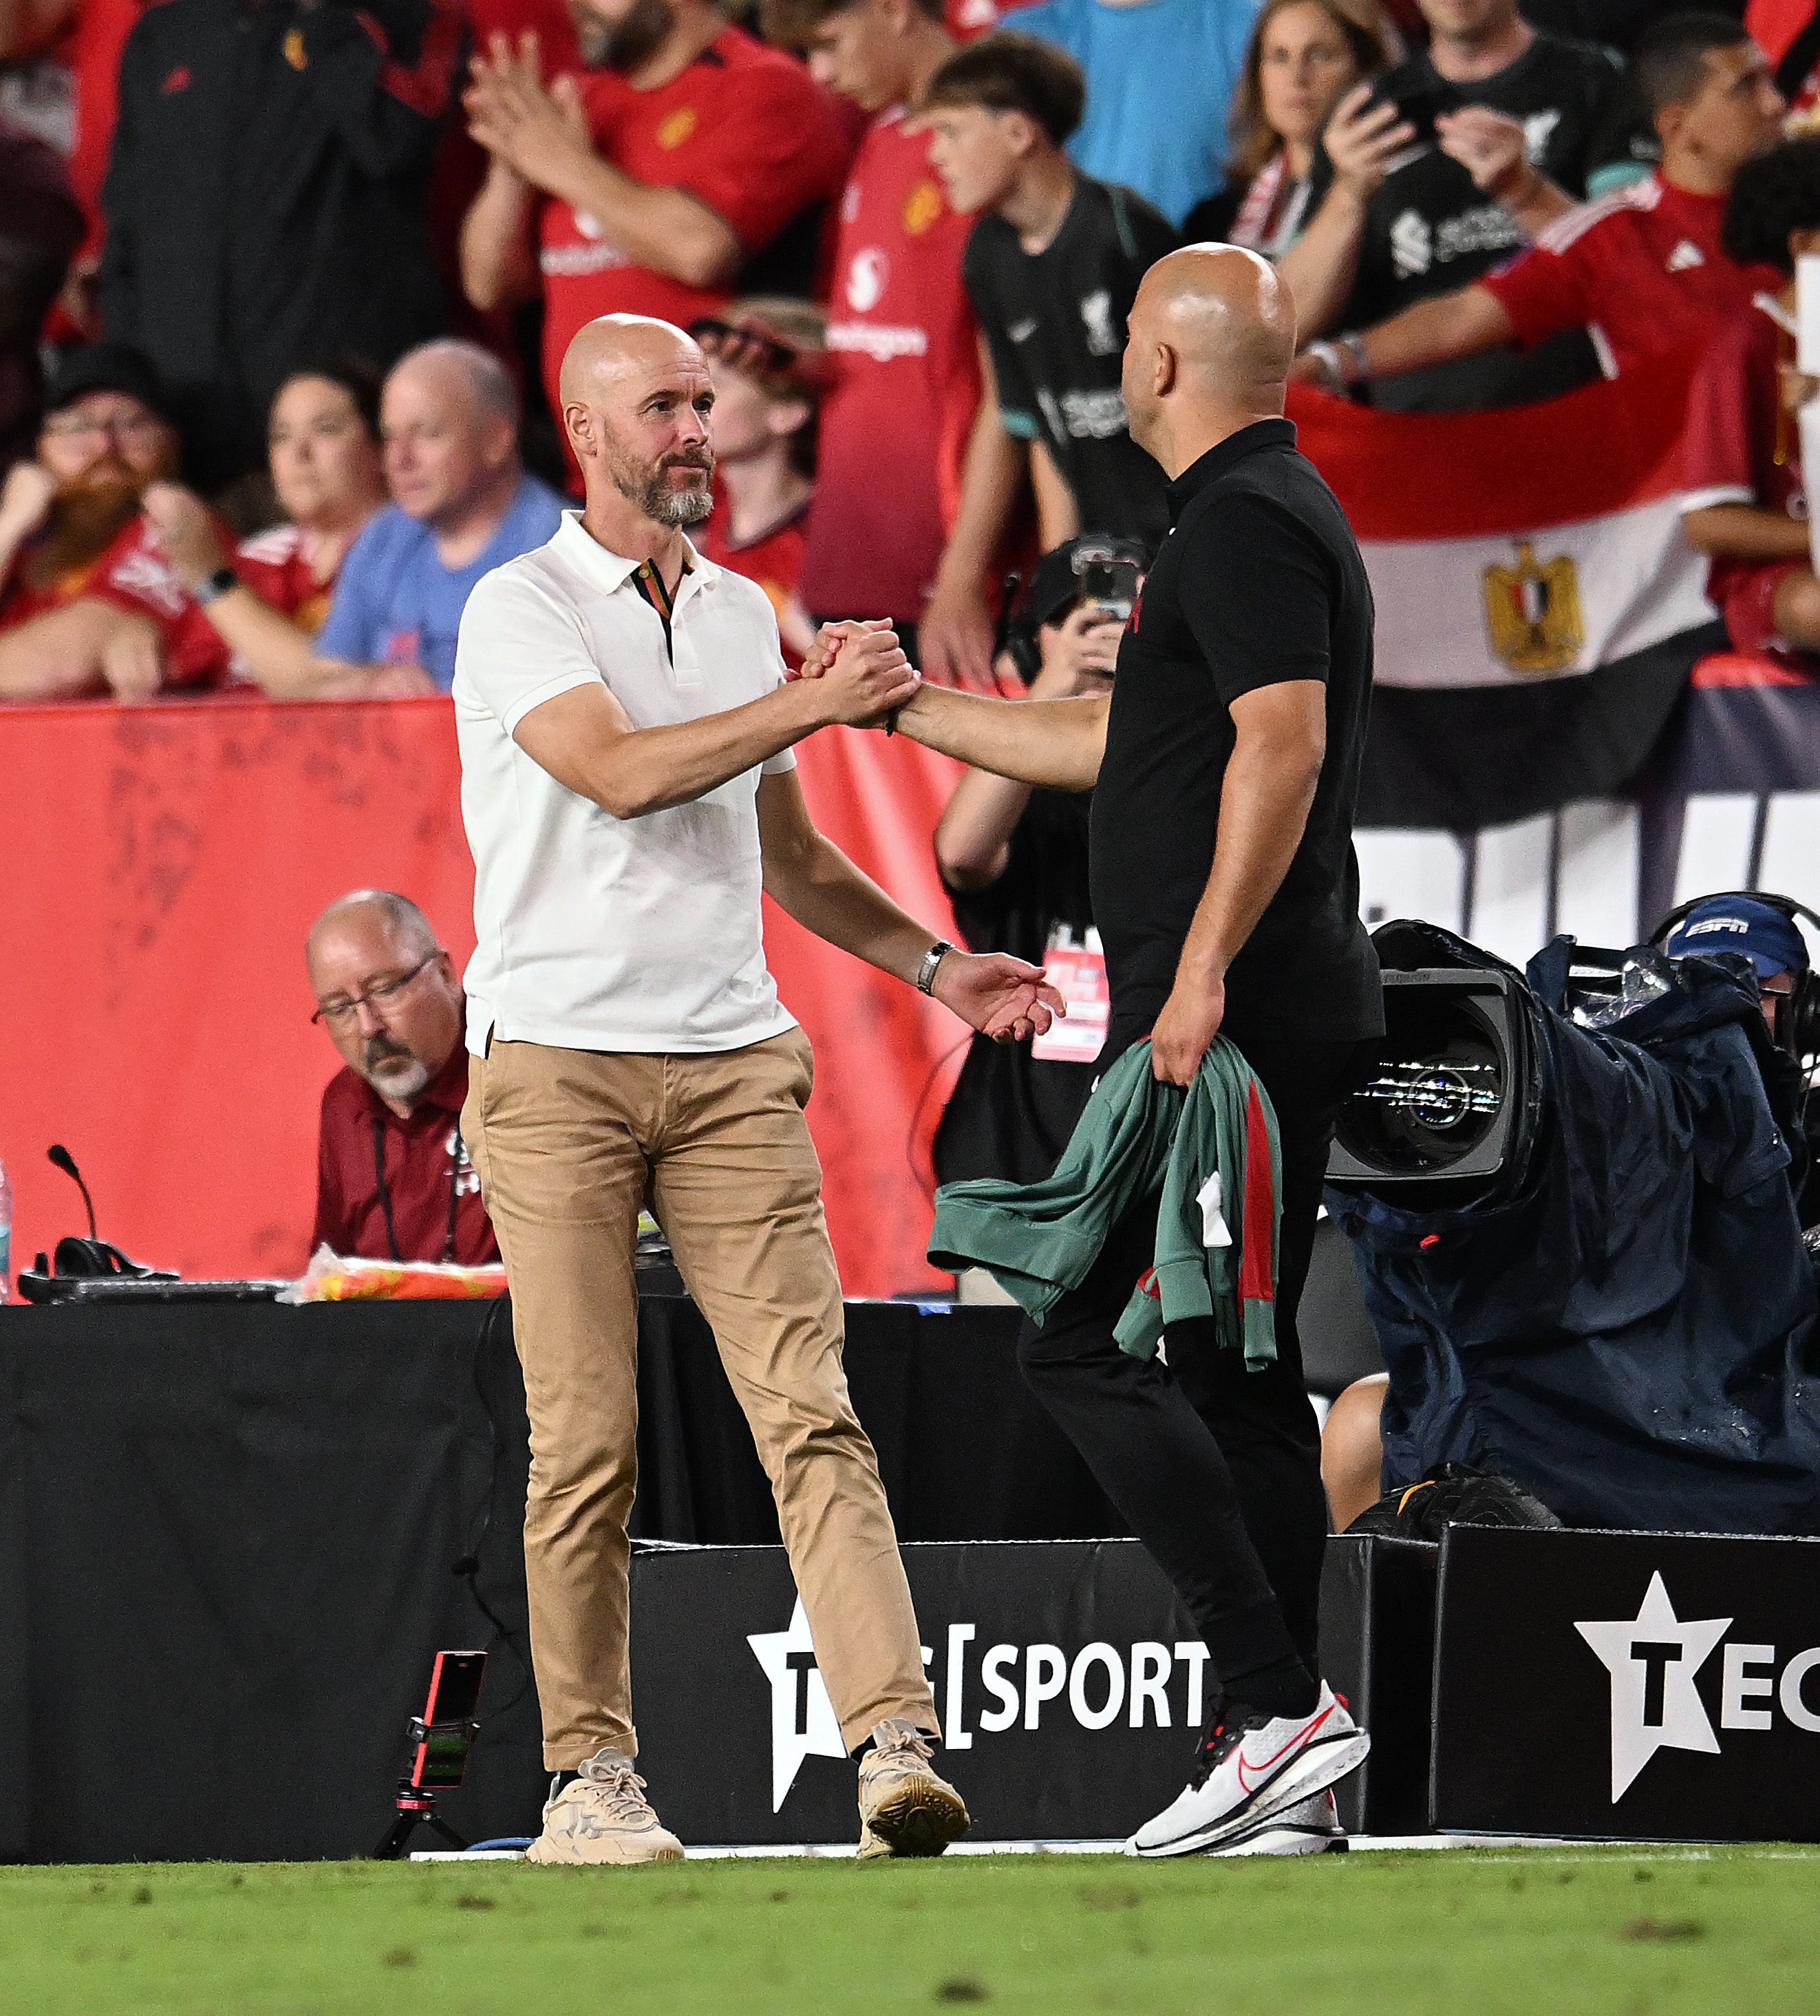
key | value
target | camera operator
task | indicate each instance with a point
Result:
(1013, 858)
(1772, 941)
(1352, 1449)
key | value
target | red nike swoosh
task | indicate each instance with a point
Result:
(1294, 1743)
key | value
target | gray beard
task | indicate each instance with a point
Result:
(647, 488)
(398, 1077)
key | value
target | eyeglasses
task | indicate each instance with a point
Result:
(340, 1014)
(128, 426)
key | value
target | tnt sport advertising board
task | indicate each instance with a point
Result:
(1634, 1686)
(1070, 1685)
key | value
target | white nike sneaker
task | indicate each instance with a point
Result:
(1251, 1767)
(1311, 1826)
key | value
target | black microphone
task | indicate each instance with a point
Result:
(66, 1161)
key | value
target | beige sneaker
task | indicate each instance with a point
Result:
(603, 1815)
(904, 1808)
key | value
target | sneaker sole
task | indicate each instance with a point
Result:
(920, 1818)
(552, 1858)
(1273, 1840)
(1312, 1770)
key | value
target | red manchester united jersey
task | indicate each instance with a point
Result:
(744, 130)
(1641, 268)
(774, 560)
(133, 574)
(280, 567)
(1740, 447)
(894, 423)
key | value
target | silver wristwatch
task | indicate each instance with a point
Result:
(931, 958)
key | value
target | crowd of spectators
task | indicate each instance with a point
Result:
(908, 248)
(282, 287)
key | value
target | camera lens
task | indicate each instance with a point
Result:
(1436, 1095)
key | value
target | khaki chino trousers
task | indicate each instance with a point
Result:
(569, 1145)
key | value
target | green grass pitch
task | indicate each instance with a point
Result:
(1554, 1932)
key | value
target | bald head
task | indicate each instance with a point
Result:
(376, 917)
(448, 416)
(636, 398)
(386, 990)
(1212, 333)
(613, 345)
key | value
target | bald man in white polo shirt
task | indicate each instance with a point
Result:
(629, 791)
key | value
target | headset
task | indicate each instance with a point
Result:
(1803, 1011)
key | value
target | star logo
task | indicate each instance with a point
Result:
(802, 1717)
(1653, 1662)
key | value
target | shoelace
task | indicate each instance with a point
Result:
(620, 1788)
(901, 1747)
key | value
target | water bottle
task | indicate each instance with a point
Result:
(5, 1235)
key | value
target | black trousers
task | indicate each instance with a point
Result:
(1216, 1469)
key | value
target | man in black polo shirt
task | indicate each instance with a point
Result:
(1224, 767)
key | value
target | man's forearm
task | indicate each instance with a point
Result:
(818, 886)
(1536, 203)
(1058, 743)
(1746, 532)
(1457, 325)
(633, 773)
(499, 266)
(665, 229)
(1264, 799)
(992, 474)
(973, 835)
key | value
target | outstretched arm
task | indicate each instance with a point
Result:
(1058, 743)
(1461, 324)
(585, 740)
(809, 877)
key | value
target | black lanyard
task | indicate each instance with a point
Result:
(385, 1193)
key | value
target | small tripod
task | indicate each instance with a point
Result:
(417, 1809)
(440, 1739)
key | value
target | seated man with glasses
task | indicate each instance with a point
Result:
(89, 602)
(393, 1178)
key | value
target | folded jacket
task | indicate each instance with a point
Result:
(1213, 1153)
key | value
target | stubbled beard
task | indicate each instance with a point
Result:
(622, 45)
(641, 483)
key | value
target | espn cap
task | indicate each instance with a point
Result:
(1767, 937)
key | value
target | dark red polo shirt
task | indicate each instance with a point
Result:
(425, 1161)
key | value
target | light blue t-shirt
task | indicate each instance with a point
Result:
(1160, 80)
(397, 604)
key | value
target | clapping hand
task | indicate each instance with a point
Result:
(540, 131)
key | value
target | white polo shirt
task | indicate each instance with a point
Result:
(597, 933)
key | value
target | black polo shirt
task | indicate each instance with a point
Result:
(1259, 582)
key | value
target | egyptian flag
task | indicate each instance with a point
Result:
(1538, 609)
